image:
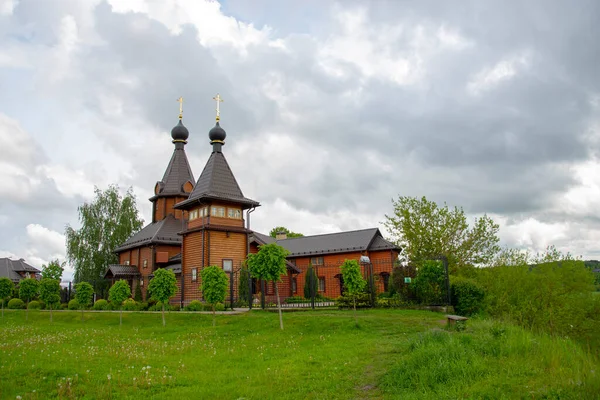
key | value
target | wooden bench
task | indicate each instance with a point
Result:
(453, 318)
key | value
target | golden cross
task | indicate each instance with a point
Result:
(218, 99)
(180, 101)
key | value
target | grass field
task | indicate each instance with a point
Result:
(320, 355)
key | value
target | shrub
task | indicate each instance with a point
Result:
(429, 284)
(194, 305)
(112, 306)
(391, 301)
(16, 304)
(363, 300)
(73, 304)
(138, 293)
(467, 296)
(219, 307)
(64, 306)
(296, 299)
(143, 306)
(158, 307)
(130, 305)
(34, 305)
(100, 304)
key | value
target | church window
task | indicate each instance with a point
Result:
(204, 212)
(145, 263)
(234, 213)
(316, 260)
(127, 262)
(194, 274)
(227, 265)
(193, 214)
(218, 212)
(294, 286)
(142, 282)
(321, 284)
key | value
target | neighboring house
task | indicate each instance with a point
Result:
(202, 224)
(16, 270)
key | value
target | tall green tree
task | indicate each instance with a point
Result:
(118, 293)
(28, 289)
(106, 222)
(84, 293)
(50, 293)
(310, 273)
(6, 288)
(214, 286)
(162, 287)
(285, 230)
(53, 270)
(269, 264)
(353, 281)
(426, 230)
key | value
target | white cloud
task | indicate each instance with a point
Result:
(7, 6)
(504, 70)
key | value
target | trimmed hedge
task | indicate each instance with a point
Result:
(194, 305)
(34, 305)
(363, 300)
(16, 304)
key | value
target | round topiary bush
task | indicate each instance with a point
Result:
(130, 305)
(64, 306)
(194, 305)
(73, 304)
(100, 304)
(219, 307)
(16, 304)
(34, 305)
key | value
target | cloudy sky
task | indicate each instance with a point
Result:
(332, 109)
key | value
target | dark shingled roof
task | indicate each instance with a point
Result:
(217, 183)
(118, 270)
(176, 268)
(330, 243)
(178, 172)
(163, 232)
(9, 269)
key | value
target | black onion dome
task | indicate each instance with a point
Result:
(217, 134)
(180, 132)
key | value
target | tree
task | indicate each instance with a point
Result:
(285, 230)
(6, 288)
(50, 293)
(269, 264)
(106, 222)
(28, 288)
(162, 287)
(427, 231)
(138, 292)
(53, 270)
(430, 282)
(118, 293)
(308, 292)
(214, 286)
(84, 292)
(243, 287)
(353, 281)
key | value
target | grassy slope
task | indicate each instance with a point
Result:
(320, 355)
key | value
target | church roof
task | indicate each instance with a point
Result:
(119, 270)
(163, 232)
(178, 172)
(217, 183)
(331, 243)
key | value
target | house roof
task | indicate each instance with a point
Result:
(331, 243)
(119, 270)
(163, 232)
(10, 268)
(176, 175)
(217, 183)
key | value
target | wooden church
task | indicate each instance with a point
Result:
(200, 223)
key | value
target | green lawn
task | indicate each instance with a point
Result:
(320, 355)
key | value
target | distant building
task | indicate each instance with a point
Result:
(17, 270)
(197, 224)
